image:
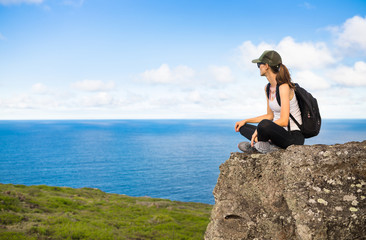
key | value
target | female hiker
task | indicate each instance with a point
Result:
(273, 131)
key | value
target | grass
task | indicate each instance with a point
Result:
(44, 212)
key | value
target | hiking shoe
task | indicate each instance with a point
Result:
(265, 147)
(246, 147)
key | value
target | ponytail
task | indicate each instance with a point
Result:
(283, 75)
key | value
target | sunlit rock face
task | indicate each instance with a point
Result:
(303, 192)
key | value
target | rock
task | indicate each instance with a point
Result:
(301, 193)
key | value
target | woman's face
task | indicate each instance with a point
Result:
(263, 68)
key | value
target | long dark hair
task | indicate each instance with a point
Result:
(283, 75)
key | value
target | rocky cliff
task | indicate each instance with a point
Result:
(301, 193)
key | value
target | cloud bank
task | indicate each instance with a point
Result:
(217, 90)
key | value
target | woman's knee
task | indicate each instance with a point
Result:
(264, 125)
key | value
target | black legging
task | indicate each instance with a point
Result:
(268, 130)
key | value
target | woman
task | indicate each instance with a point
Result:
(272, 131)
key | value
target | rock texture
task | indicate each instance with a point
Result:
(301, 193)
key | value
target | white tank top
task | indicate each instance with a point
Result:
(294, 110)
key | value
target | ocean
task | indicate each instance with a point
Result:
(171, 159)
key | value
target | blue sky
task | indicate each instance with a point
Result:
(93, 59)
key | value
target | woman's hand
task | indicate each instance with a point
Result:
(254, 138)
(239, 124)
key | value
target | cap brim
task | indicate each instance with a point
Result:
(256, 61)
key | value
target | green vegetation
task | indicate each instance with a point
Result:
(43, 212)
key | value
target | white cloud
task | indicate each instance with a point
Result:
(93, 85)
(96, 100)
(300, 56)
(341, 102)
(2, 37)
(350, 76)
(352, 34)
(304, 55)
(195, 97)
(40, 88)
(17, 102)
(164, 74)
(10, 2)
(249, 51)
(161, 75)
(310, 80)
(221, 73)
(29, 101)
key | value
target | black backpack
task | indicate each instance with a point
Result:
(310, 115)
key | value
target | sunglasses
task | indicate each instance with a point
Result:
(259, 64)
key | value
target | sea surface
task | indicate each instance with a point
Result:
(172, 159)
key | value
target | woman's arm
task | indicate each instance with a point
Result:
(285, 105)
(268, 116)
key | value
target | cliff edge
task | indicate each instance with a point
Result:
(301, 193)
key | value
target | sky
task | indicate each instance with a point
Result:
(181, 59)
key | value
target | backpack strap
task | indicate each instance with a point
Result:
(292, 117)
(278, 98)
(277, 93)
(279, 102)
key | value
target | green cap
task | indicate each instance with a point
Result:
(271, 57)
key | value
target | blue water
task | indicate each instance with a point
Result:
(173, 159)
